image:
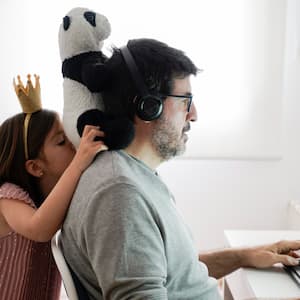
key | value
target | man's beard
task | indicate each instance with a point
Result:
(166, 140)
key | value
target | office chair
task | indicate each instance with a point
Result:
(63, 268)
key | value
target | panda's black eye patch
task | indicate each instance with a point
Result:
(66, 22)
(90, 16)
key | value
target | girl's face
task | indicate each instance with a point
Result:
(57, 153)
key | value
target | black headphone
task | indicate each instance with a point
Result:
(148, 106)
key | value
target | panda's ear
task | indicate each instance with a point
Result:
(66, 22)
(90, 16)
(95, 76)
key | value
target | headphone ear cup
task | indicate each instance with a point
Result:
(149, 108)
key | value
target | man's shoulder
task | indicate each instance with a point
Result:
(111, 164)
(109, 168)
(115, 174)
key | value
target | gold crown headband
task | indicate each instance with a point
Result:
(30, 100)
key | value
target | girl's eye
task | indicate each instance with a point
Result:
(62, 142)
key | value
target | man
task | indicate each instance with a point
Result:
(123, 236)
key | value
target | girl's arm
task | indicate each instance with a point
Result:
(41, 224)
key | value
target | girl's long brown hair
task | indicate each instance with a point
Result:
(12, 153)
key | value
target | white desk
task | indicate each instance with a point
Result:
(267, 284)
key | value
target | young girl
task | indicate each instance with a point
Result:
(39, 171)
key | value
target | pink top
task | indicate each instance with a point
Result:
(27, 268)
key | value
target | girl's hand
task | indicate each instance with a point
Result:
(88, 147)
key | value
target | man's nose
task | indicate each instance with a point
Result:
(192, 114)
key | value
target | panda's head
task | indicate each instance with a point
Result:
(82, 30)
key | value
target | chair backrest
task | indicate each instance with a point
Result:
(63, 268)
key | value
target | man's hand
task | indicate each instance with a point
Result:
(223, 262)
(267, 255)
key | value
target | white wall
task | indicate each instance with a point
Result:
(215, 195)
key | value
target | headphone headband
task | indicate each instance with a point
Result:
(149, 107)
(134, 71)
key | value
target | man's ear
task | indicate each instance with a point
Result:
(34, 168)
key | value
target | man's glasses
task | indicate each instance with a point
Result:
(186, 98)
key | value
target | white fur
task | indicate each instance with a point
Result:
(79, 38)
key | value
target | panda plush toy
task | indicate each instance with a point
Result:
(81, 37)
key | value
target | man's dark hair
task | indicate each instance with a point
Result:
(158, 65)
